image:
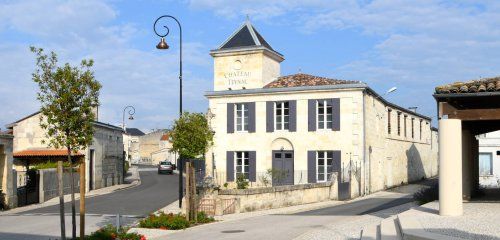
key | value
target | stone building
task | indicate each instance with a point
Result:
(104, 157)
(148, 144)
(131, 144)
(7, 182)
(489, 159)
(306, 127)
(164, 153)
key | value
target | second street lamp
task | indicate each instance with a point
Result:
(162, 45)
(131, 113)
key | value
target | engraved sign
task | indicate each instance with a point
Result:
(237, 76)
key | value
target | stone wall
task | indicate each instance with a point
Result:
(49, 186)
(8, 183)
(255, 199)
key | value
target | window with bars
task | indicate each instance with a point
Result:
(241, 117)
(389, 121)
(324, 114)
(399, 123)
(324, 161)
(241, 164)
(282, 115)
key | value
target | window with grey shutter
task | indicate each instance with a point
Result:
(230, 118)
(293, 115)
(251, 116)
(311, 166)
(311, 116)
(269, 116)
(230, 166)
(336, 114)
(252, 156)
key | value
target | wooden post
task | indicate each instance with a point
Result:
(188, 192)
(60, 173)
(82, 199)
(193, 195)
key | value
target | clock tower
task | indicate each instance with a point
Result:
(245, 61)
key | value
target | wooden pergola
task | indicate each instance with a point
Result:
(464, 110)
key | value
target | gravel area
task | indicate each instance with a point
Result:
(479, 221)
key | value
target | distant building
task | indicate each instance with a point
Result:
(148, 144)
(489, 159)
(164, 153)
(308, 127)
(104, 157)
(131, 144)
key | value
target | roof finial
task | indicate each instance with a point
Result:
(248, 18)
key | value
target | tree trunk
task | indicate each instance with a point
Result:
(82, 198)
(73, 210)
(61, 197)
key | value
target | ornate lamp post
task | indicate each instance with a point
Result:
(131, 113)
(162, 45)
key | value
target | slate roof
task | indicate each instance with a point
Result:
(301, 79)
(246, 36)
(473, 86)
(134, 132)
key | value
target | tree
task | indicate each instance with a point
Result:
(67, 95)
(191, 135)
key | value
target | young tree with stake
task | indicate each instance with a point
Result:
(67, 95)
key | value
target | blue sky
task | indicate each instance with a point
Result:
(413, 45)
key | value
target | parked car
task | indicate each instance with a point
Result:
(165, 167)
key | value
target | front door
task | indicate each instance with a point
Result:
(282, 171)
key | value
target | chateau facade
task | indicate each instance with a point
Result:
(301, 128)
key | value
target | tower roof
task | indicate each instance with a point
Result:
(245, 37)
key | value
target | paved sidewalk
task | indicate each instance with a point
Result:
(133, 179)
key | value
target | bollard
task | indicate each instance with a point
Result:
(117, 222)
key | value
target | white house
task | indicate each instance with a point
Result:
(489, 159)
(306, 126)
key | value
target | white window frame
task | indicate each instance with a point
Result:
(245, 158)
(325, 165)
(244, 117)
(490, 154)
(327, 104)
(283, 124)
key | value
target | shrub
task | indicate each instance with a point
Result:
(165, 221)
(427, 194)
(109, 232)
(48, 164)
(127, 166)
(241, 182)
(204, 218)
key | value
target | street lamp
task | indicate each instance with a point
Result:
(131, 113)
(162, 45)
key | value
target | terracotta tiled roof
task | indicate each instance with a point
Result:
(474, 86)
(301, 79)
(44, 153)
(165, 137)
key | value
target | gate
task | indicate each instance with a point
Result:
(207, 205)
(29, 193)
(228, 206)
(344, 180)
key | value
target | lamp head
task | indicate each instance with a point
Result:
(131, 117)
(162, 44)
(391, 90)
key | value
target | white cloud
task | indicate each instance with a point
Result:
(146, 79)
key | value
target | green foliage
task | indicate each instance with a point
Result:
(226, 185)
(48, 164)
(191, 135)
(109, 232)
(202, 217)
(165, 221)
(241, 182)
(67, 95)
(127, 166)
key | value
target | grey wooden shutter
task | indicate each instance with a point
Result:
(251, 117)
(293, 115)
(252, 162)
(311, 116)
(337, 164)
(311, 166)
(230, 118)
(269, 116)
(336, 114)
(230, 166)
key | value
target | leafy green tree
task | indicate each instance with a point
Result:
(191, 135)
(67, 95)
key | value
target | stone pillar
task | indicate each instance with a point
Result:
(450, 167)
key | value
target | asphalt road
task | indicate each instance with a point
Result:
(155, 192)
